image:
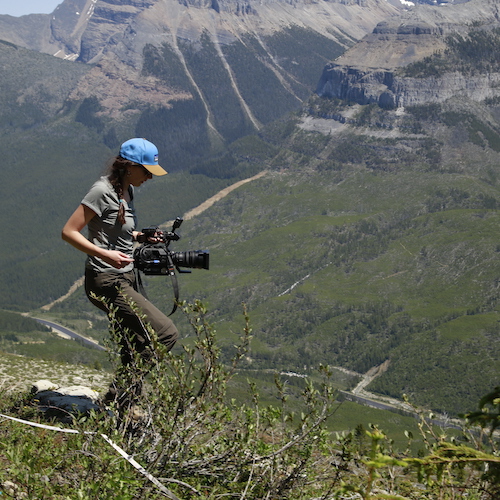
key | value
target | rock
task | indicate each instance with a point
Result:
(43, 385)
(370, 71)
(390, 91)
(79, 391)
(12, 490)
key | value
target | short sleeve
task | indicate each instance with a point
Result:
(98, 198)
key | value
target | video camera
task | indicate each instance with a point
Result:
(156, 258)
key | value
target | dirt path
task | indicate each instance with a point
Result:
(221, 194)
(370, 375)
(74, 287)
(188, 215)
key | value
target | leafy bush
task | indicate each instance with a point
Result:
(191, 442)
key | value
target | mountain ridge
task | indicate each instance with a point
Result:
(82, 29)
(370, 72)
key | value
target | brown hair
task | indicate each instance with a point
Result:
(116, 173)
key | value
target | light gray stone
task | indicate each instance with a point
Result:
(43, 385)
(63, 402)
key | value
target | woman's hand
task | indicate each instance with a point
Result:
(116, 259)
(141, 237)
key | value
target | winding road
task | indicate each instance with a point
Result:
(397, 406)
(62, 330)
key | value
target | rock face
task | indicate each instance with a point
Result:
(389, 91)
(368, 73)
(106, 20)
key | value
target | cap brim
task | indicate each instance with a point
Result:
(155, 169)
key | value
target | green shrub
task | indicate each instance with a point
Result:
(192, 442)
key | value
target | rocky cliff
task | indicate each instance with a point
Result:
(370, 71)
(385, 88)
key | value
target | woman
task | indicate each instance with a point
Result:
(108, 212)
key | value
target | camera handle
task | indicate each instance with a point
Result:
(175, 283)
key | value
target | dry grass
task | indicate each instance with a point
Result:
(19, 373)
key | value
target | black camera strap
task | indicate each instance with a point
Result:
(175, 283)
(173, 277)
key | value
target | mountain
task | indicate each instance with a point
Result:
(385, 67)
(370, 239)
(87, 30)
(189, 77)
(167, 68)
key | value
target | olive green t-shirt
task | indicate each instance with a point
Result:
(104, 230)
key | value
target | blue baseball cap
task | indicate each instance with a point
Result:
(143, 152)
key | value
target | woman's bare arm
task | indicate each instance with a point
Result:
(71, 233)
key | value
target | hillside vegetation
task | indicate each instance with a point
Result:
(236, 105)
(365, 245)
(376, 242)
(471, 53)
(194, 442)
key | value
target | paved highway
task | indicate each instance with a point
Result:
(66, 331)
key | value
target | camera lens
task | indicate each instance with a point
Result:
(196, 259)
